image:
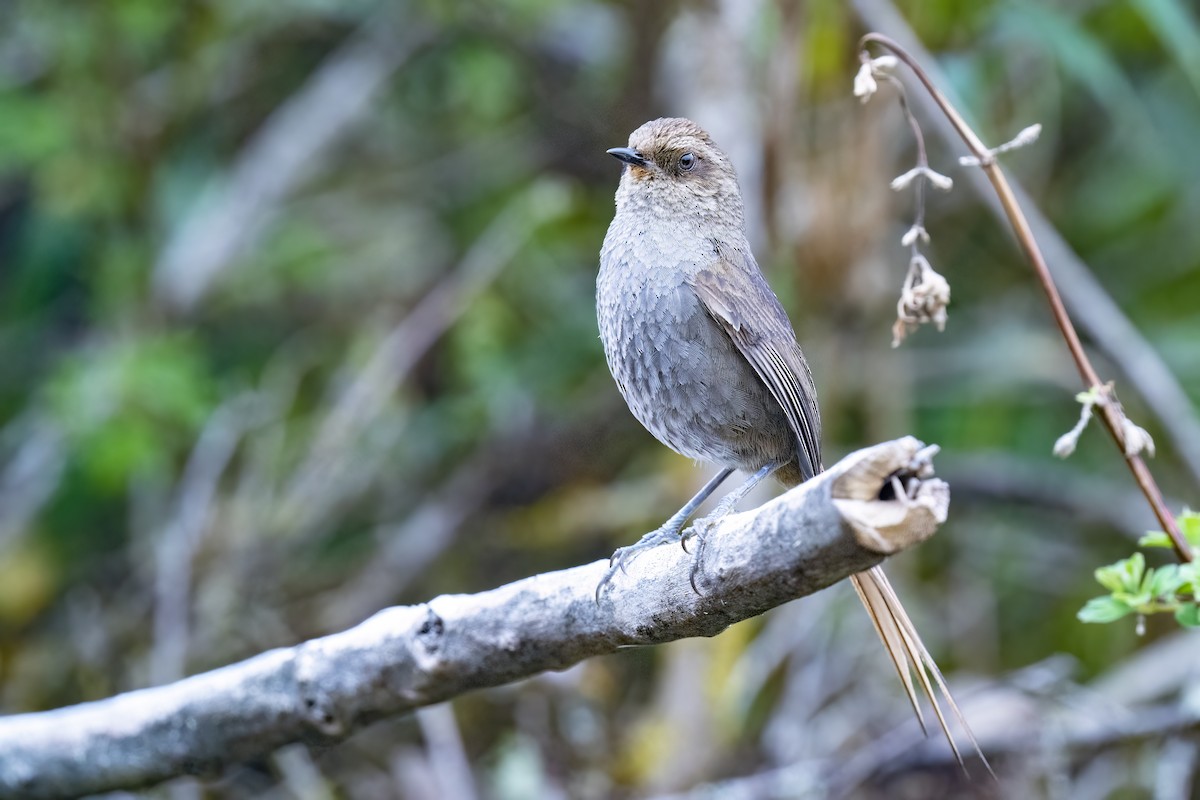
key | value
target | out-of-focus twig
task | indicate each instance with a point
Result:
(1160, 669)
(1053, 730)
(407, 549)
(1109, 412)
(1097, 313)
(291, 146)
(706, 70)
(300, 775)
(31, 475)
(1175, 775)
(176, 548)
(1086, 499)
(444, 749)
(1080, 733)
(316, 480)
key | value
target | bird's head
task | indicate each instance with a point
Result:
(673, 167)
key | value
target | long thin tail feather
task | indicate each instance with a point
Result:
(893, 640)
(909, 655)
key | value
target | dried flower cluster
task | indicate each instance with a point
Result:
(923, 298)
(925, 293)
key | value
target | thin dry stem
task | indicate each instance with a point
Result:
(1109, 413)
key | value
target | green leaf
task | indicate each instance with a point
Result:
(1189, 525)
(1178, 31)
(1155, 539)
(1103, 609)
(1189, 576)
(1188, 615)
(1135, 600)
(1163, 581)
(1123, 576)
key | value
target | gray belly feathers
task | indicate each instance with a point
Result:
(681, 375)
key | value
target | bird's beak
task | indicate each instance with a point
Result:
(628, 155)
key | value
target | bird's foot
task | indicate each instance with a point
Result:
(624, 556)
(698, 533)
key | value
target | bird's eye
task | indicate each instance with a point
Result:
(687, 162)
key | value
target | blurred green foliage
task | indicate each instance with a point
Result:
(1134, 589)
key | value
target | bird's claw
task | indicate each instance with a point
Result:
(617, 562)
(691, 533)
(698, 531)
(623, 556)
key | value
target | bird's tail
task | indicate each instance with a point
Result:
(909, 656)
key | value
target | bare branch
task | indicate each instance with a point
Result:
(407, 657)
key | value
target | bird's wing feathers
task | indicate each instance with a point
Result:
(736, 295)
(739, 299)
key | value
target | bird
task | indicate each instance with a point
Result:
(707, 359)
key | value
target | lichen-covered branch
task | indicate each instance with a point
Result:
(405, 657)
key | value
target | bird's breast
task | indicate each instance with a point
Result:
(680, 374)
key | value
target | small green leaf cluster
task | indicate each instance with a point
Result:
(1135, 588)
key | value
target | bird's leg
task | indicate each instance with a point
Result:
(668, 532)
(699, 529)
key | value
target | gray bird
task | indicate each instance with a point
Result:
(706, 357)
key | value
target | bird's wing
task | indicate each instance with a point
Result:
(737, 296)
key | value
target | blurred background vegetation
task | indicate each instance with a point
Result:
(296, 322)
